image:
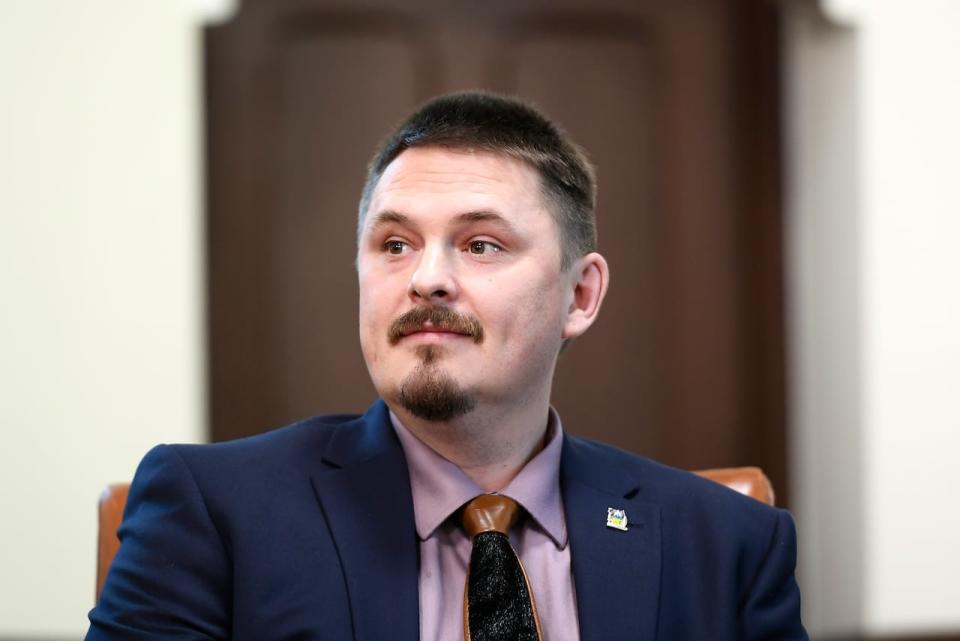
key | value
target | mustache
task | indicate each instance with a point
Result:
(440, 318)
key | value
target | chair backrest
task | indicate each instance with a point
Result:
(109, 514)
(746, 480)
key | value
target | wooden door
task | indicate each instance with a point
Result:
(676, 103)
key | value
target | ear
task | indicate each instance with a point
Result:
(590, 277)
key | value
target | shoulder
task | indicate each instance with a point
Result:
(300, 442)
(246, 469)
(687, 501)
(709, 535)
(237, 486)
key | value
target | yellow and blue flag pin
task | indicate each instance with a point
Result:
(616, 518)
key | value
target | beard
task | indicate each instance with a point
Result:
(430, 393)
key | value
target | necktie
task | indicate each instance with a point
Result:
(498, 603)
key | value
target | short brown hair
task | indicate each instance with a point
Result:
(499, 124)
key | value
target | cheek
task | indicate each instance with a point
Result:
(372, 319)
(532, 320)
(374, 289)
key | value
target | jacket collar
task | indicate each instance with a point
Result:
(363, 488)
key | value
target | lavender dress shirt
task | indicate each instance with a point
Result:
(439, 488)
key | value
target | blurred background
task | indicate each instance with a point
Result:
(779, 202)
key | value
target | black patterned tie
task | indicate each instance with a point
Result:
(497, 603)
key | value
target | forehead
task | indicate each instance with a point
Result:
(426, 179)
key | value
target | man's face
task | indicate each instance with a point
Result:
(462, 300)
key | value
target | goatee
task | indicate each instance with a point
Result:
(431, 393)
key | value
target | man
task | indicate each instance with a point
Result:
(476, 262)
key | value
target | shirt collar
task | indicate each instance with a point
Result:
(439, 487)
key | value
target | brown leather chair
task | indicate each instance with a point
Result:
(746, 480)
(109, 514)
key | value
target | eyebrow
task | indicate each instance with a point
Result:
(485, 216)
(389, 216)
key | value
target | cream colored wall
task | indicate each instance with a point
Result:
(100, 279)
(911, 187)
(824, 317)
(873, 100)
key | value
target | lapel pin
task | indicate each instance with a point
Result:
(617, 519)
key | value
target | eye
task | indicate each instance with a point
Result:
(479, 247)
(395, 247)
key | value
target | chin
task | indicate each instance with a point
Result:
(430, 393)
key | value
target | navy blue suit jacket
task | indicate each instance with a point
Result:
(307, 532)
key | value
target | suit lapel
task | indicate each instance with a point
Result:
(616, 574)
(364, 490)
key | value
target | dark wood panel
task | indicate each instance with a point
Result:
(315, 293)
(761, 334)
(676, 102)
(574, 67)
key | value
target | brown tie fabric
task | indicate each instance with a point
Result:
(497, 603)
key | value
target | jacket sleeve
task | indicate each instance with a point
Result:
(771, 608)
(171, 578)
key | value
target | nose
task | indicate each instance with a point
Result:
(434, 279)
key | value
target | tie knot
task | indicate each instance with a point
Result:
(490, 513)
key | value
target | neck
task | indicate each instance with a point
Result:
(491, 446)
